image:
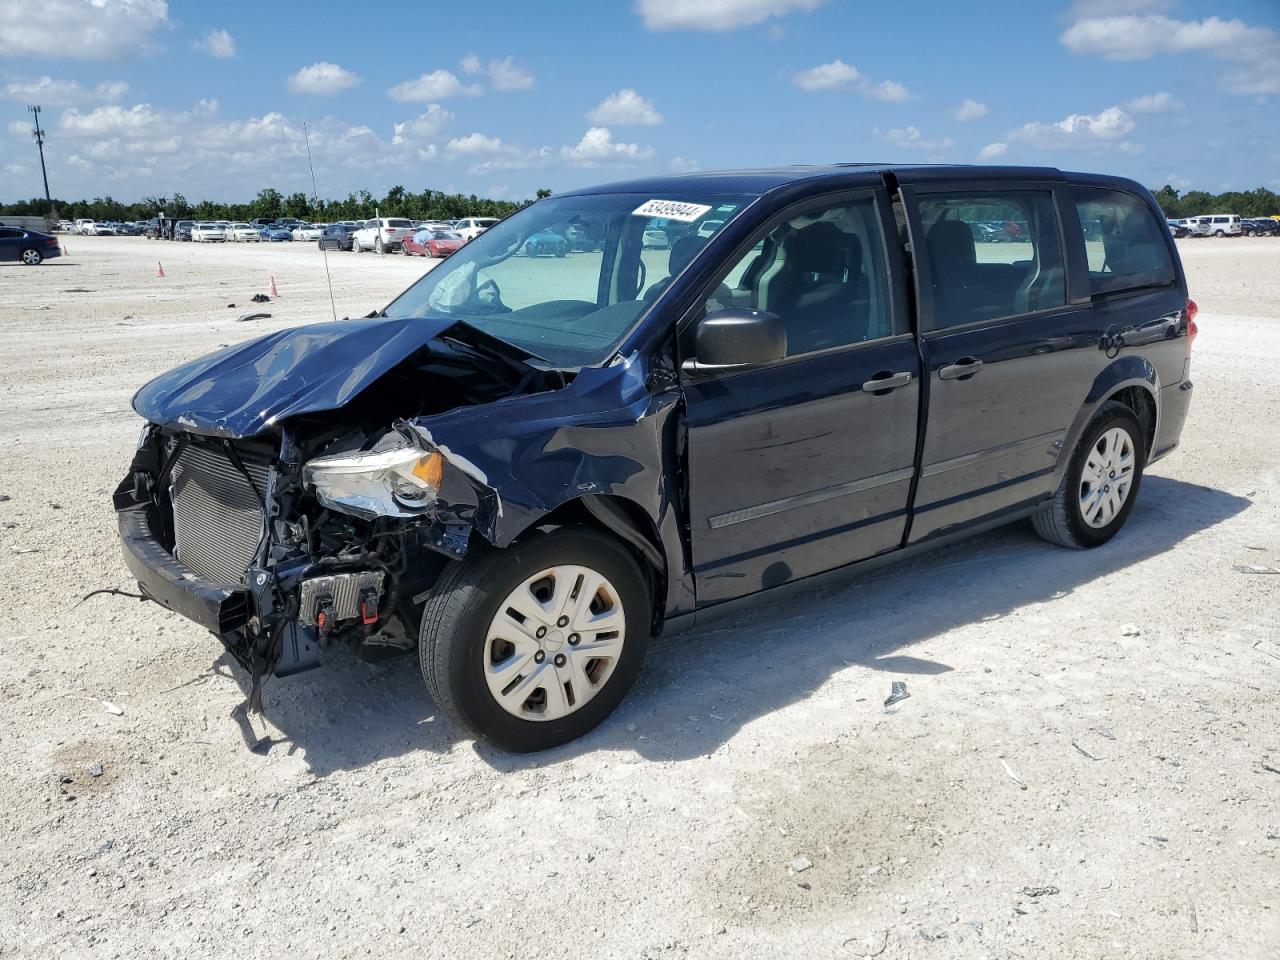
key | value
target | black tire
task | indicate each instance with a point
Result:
(1219, 233)
(31, 257)
(1061, 521)
(463, 602)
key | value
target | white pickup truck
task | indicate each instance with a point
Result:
(382, 235)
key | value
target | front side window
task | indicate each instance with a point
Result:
(525, 281)
(1123, 241)
(988, 255)
(822, 271)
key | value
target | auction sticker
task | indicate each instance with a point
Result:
(671, 210)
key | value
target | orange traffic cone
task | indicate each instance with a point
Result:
(274, 292)
(159, 269)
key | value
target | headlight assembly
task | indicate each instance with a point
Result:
(401, 482)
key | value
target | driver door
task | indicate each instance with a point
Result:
(805, 464)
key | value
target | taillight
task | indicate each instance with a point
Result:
(1192, 329)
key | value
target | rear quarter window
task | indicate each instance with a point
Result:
(1124, 243)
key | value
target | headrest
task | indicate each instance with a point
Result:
(682, 252)
(817, 248)
(950, 244)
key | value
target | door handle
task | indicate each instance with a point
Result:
(962, 369)
(884, 382)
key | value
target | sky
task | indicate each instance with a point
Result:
(148, 98)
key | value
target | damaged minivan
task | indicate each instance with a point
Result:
(525, 467)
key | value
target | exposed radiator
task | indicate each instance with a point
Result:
(217, 517)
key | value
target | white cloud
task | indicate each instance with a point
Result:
(49, 92)
(910, 138)
(993, 150)
(828, 76)
(79, 29)
(503, 74)
(322, 78)
(436, 85)
(681, 165)
(837, 75)
(1252, 52)
(16, 169)
(217, 43)
(625, 108)
(890, 90)
(1178, 183)
(477, 143)
(970, 110)
(1098, 132)
(1153, 103)
(598, 146)
(506, 75)
(424, 126)
(715, 14)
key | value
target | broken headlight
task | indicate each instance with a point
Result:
(400, 482)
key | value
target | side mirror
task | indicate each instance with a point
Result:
(738, 338)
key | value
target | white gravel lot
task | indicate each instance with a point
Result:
(1134, 691)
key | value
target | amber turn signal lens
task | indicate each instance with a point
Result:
(429, 469)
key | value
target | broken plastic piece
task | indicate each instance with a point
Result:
(897, 692)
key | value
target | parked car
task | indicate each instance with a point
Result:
(432, 242)
(182, 229)
(1216, 225)
(384, 235)
(655, 238)
(546, 243)
(85, 228)
(66, 226)
(1178, 228)
(471, 227)
(27, 246)
(241, 232)
(1264, 227)
(307, 231)
(207, 232)
(535, 468)
(337, 236)
(276, 232)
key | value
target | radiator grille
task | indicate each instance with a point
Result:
(217, 518)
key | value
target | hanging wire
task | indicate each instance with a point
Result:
(315, 195)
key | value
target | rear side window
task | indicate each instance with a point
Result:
(1124, 243)
(988, 255)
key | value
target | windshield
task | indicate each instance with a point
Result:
(566, 277)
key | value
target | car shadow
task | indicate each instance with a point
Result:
(699, 688)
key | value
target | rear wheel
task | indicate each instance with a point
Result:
(1219, 233)
(1101, 483)
(31, 256)
(532, 646)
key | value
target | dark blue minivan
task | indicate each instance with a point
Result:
(535, 464)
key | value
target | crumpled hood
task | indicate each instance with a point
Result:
(242, 390)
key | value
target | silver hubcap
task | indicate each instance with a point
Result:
(1107, 477)
(554, 643)
(30, 256)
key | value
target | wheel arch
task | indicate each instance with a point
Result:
(1132, 381)
(625, 520)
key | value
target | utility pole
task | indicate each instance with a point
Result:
(39, 135)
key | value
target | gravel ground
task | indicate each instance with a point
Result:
(1088, 765)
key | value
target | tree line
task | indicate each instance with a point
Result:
(436, 205)
(271, 203)
(1245, 203)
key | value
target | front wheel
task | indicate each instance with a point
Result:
(534, 645)
(1219, 233)
(1101, 483)
(32, 257)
